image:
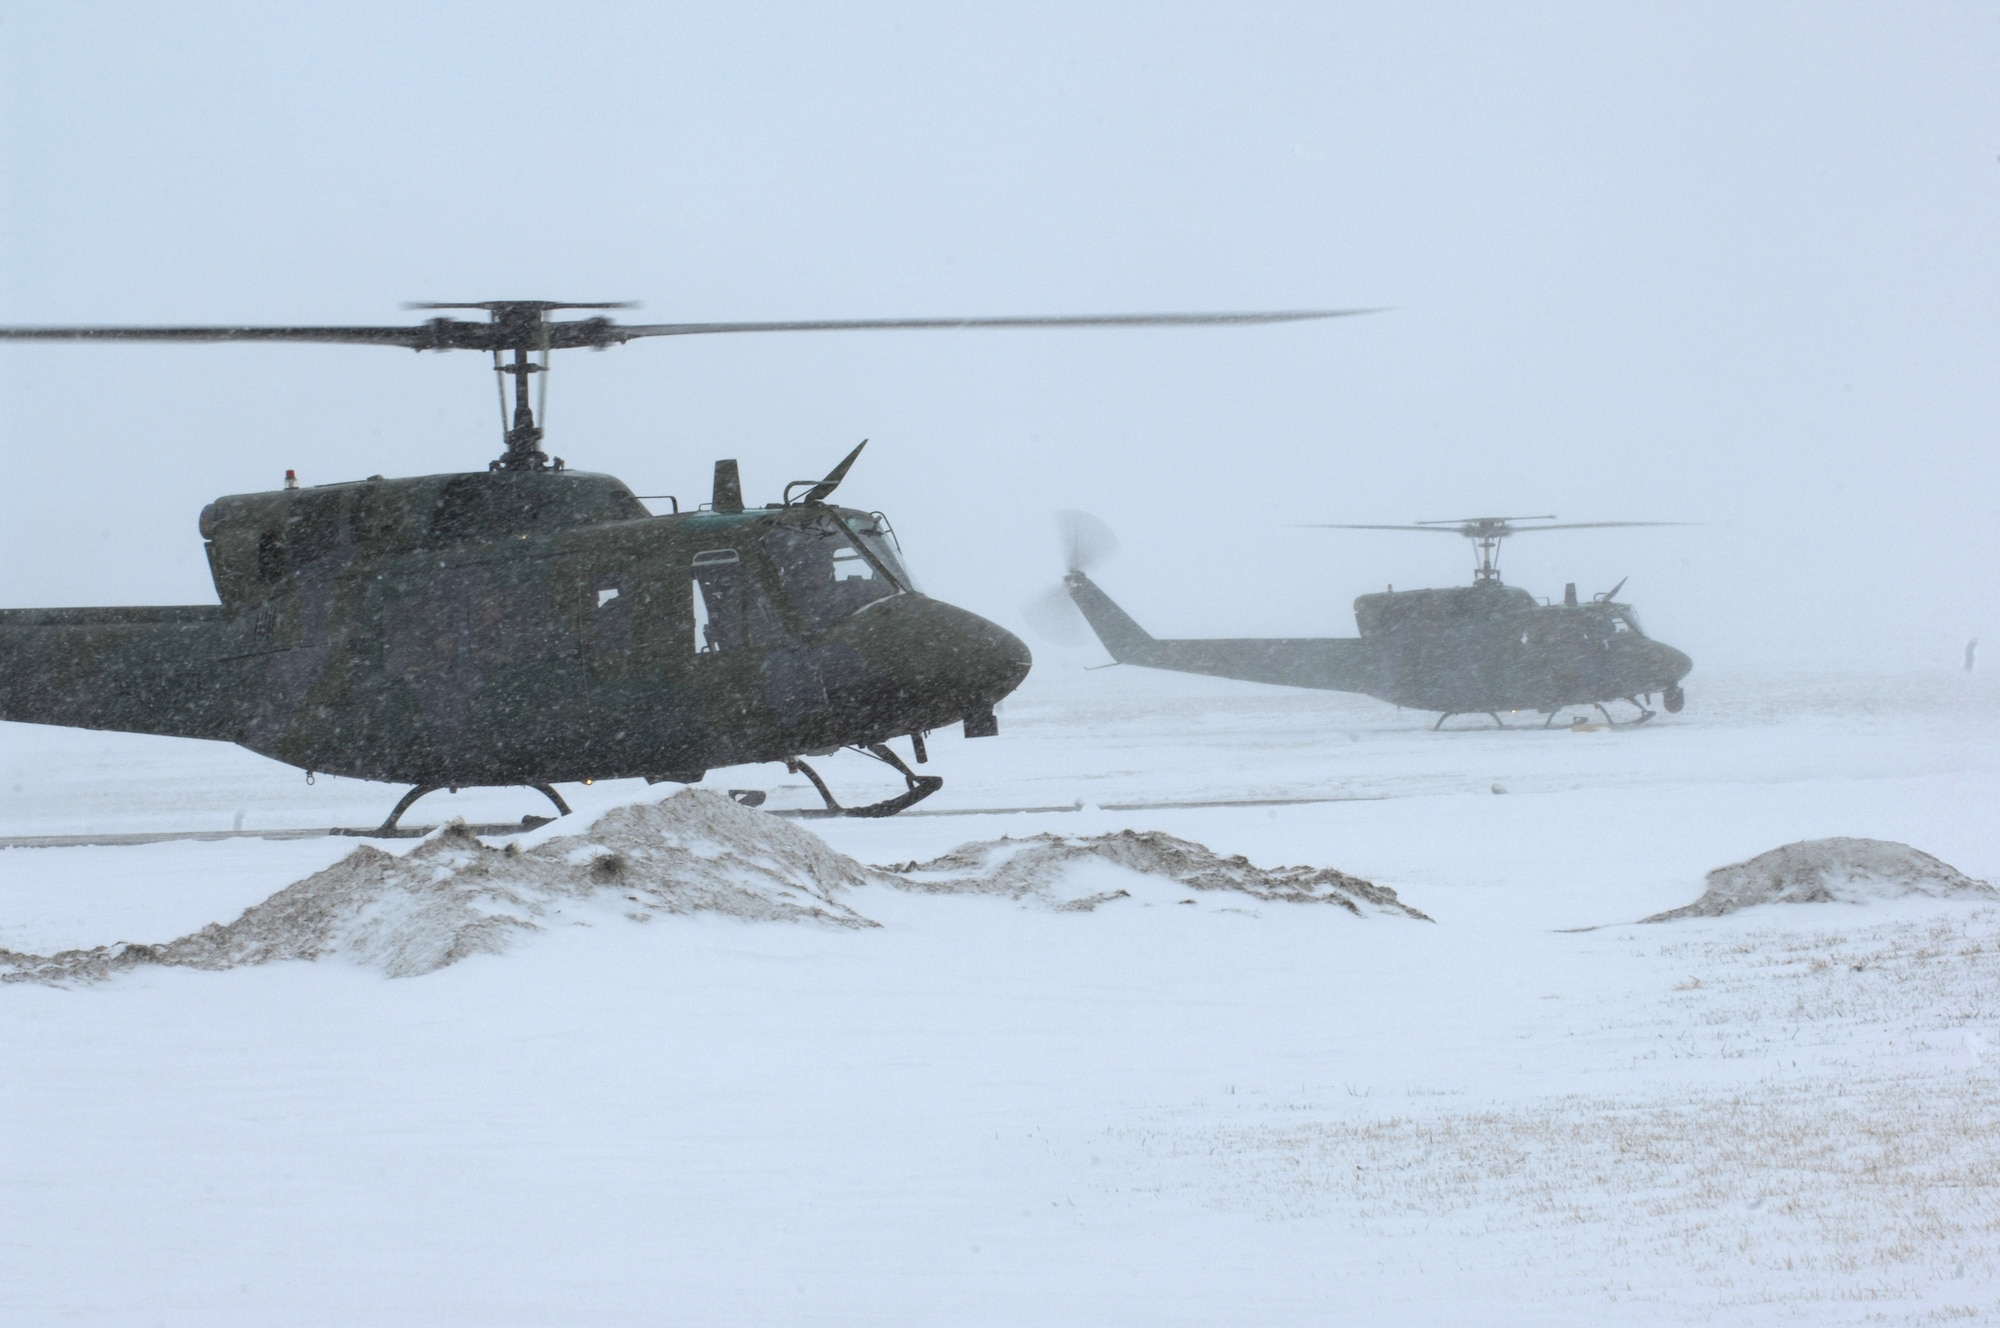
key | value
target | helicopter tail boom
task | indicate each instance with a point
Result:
(1339, 664)
(134, 670)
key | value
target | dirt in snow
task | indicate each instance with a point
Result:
(1035, 867)
(1818, 871)
(454, 895)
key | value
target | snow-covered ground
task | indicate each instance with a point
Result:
(1531, 1109)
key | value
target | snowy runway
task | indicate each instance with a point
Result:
(986, 1112)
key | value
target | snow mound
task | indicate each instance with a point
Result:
(1035, 868)
(1818, 871)
(695, 852)
(454, 896)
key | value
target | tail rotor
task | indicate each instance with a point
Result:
(1085, 543)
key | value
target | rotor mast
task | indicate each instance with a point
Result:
(1488, 571)
(524, 436)
(1486, 534)
(522, 326)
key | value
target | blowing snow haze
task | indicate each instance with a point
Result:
(1689, 263)
(1185, 999)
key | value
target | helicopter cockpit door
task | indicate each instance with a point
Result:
(743, 647)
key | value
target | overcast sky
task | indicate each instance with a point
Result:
(1735, 264)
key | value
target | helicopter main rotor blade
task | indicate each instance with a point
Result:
(1328, 525)
(1598, 525)
(417, 338)
(518, 334)
(528, 306)
(1486, 520)
(520, 325)
(1492, 526)
(1058, 320)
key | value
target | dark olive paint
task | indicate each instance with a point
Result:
(519, 627)
(529, 624)
(1476, 649)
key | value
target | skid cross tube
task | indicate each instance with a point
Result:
(389, 825)
(917, 787)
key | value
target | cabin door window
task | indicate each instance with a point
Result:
(611, 620)
(717, 591)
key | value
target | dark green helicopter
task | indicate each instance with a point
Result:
(1477, 649)
(529, 624)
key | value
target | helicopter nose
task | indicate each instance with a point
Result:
(1673, 664)
(931, 663)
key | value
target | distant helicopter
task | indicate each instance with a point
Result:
(1477, 649)
(528, 624)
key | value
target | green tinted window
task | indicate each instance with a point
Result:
(824, 572)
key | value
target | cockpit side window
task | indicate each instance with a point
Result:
(824, 572)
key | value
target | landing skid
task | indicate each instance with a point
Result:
(1498, 722)
(1633, 701)
(1609, 721)
(918, 787)
(389, 828)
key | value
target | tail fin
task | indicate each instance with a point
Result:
(1128, 642)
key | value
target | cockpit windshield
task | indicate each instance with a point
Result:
(1625, 620)
(874, 532)
(829, 570)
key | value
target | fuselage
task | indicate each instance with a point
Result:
(1460, 650)
(1490, 647)
(505, 627)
